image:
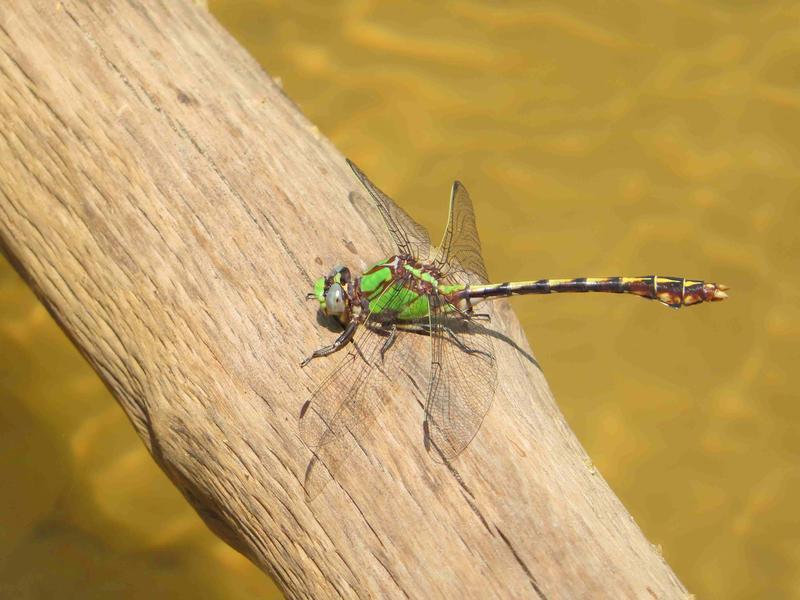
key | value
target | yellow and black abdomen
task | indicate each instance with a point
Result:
(672, 291)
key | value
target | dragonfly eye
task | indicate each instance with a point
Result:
(334, 300)
(343, 273)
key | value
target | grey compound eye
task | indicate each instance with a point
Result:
(334, 299)
(343, 273)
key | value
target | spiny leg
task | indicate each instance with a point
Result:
(455, 339)
(426, 329)
(468, 314)
(392, 335)
(360, 353)
(389, 333)
(345, 337)
(414, 328)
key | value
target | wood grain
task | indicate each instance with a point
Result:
(171, 207)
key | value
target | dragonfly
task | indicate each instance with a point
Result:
(434, 293)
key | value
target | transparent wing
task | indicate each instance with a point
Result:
(459, 254)
(343, 407)
(463, 380)
(410, 237)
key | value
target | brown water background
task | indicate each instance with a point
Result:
(595, 139)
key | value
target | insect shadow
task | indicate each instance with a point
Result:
(330, 323)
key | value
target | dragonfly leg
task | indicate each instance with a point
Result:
(360, 353)
(389, 341)
(455, 339)
(341, 342)
(468, 314)
(415, 327)
(426, 329)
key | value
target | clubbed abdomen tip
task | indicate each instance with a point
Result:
(715, 292)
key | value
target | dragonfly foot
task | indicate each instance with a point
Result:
(307, 360)
(389, 341)
(364, 358)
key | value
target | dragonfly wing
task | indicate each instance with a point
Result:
(411, 238)
(334, 408)
(343, 407)
(463, 380)
(459, 254)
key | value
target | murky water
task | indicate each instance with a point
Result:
(635, 138)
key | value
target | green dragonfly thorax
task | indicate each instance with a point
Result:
(397, 288)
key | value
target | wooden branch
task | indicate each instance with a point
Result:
(171, 208)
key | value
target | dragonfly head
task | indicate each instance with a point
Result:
(332, 294)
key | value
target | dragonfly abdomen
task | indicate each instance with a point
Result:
(672, 291)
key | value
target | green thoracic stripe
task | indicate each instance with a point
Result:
(419, 274)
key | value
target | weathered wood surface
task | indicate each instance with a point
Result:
(171, 207)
